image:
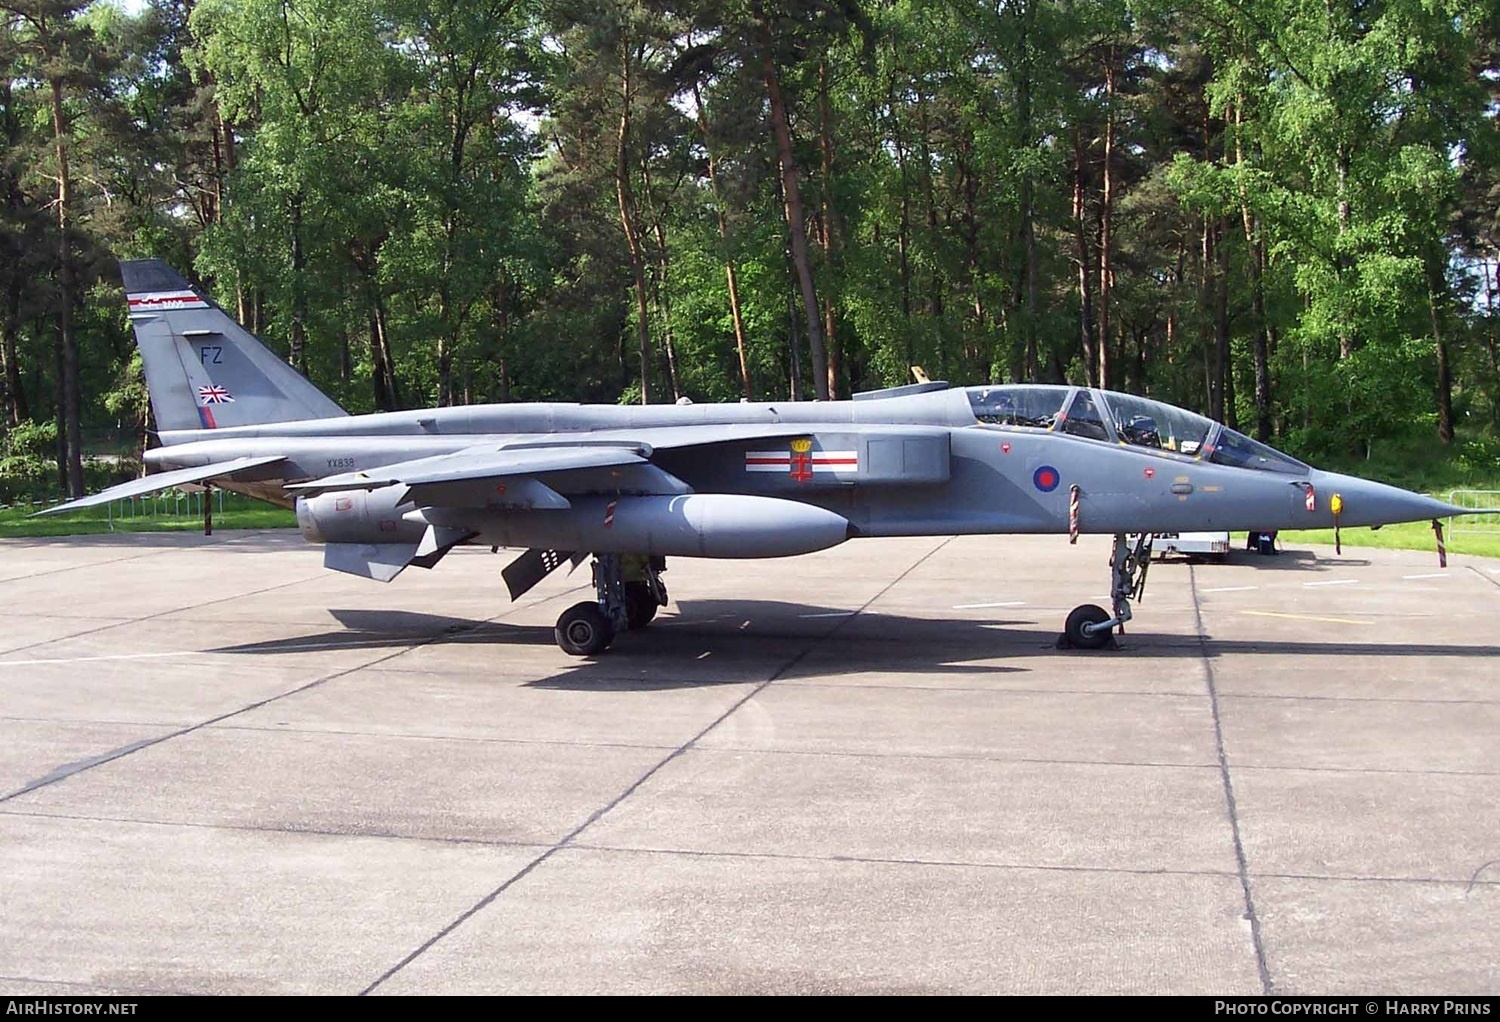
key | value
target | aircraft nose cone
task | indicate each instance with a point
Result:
(1370, 503)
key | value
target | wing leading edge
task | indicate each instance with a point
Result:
(164, 481)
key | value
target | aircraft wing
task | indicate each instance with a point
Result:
(517, 475)
(163, 481)
(539, 473)
(479, 463)
(701, 434)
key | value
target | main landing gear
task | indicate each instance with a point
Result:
(1091, 626)
(630, 592)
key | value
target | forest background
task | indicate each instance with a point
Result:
(1281, 213)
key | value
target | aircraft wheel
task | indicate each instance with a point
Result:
(640, 604)
(583, 630)
(1087, 614)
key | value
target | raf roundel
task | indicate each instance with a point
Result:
(1046, 478)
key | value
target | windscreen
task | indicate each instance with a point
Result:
(1238, 450)
(1085, 418)
(1017, 405)
(1146, 423)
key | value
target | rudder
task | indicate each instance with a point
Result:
(204, 370)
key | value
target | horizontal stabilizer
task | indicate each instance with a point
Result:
(163, 481)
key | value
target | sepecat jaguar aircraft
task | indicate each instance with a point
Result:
(631, 486)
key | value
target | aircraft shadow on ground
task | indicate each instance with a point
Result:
(708, 642)
(1283, 560)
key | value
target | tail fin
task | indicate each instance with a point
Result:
(203, 370)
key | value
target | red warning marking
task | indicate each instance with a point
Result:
(1150, 473)
(609, 514)
(1005, 448)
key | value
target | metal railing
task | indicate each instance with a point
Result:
(1474, 523)
(166, 504)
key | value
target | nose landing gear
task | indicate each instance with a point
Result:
(630, 591)
(1091, 626)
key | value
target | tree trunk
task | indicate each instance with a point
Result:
(296, 356)
(1213, 376)
(628, 225)
(15, 409)
(1255, 259)
(1341, 260)
(380, 361)
(1436, 291)
(730, 280)
(929, 198)
(1084, 260)
(447, 338)
(1221, 327)
(903, 227)
(71, 425)
(663, 266)
(830, 229)
(794, 350)
(794, 217)
(1261, 339)
(1028, 200)
(1106, 218)
(1492, 336)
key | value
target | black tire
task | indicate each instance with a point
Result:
(640, 604)
(583, 630)
(1087, 614)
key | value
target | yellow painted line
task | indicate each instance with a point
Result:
(1308, 617)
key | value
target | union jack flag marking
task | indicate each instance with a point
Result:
(214, 396)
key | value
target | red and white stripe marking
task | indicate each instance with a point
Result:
(609, 514)
(817, 461)
(162, 301)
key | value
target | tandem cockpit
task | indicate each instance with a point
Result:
(1111, 417)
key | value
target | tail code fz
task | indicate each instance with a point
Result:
(204, 370)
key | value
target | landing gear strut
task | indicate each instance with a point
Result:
(630, 591)
(1091, 626)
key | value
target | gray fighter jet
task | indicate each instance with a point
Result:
(631, 486)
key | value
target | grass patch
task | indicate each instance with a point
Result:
(171, 515)
(1406, 536)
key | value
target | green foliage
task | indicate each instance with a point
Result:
(27, 471)
(421, 201)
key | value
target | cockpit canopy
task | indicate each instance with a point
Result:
(1123, 418)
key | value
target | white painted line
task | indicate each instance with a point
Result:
(832, 613)
(705, 655)
(1436, 574)
(92, 659)
(1230, 589)
(1308, 617)
(981, 606)
(1334, 582)
(299, 647)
